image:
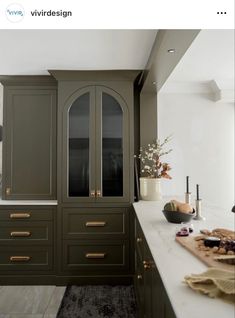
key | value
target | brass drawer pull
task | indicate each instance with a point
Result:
(98, 193)
(92, 193)
(95, 255)
(20, 215)
(139, 240)
(95, 223)
(147, 265)
(20, 258)
(20, 234)
(139, 277)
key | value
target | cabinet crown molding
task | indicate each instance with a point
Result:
(23, 80)
(106, 75)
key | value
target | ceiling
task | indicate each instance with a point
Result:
(209, 58)
(32, 52)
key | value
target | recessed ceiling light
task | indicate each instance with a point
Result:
(154, 83)
(171, 51)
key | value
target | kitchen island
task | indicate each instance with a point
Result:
(173, 262)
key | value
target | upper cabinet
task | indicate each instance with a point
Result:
(95, 112)
(29, 137)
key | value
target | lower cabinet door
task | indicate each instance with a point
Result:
(96, 257)
(139, 285)
(26, 258)
(147, 265)
(157, 295)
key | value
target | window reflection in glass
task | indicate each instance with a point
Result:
(78, 182)
(112, 147)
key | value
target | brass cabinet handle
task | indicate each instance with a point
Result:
(8, 191)
(20, 258)
(139, 240)
(147, 265)
(20, 215)
(95, 255)
(95, 223)
(20, 234)
(98, 193)
(139, 277)
(92, 193)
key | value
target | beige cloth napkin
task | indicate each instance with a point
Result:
(214, 282)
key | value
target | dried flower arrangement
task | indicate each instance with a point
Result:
(150, 158)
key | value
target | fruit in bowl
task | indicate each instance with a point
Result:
(178, 212)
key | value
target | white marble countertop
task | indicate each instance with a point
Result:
(28, 202)
(174, 262)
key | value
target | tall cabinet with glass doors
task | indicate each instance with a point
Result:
(95, 170)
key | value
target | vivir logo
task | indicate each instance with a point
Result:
(15, 12)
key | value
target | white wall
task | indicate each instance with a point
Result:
(203, 145)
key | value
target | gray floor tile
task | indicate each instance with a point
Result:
(21, 316)
(55, 301)
(25, 300)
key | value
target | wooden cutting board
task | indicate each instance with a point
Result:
(191, 245)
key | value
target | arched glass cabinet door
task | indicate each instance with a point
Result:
(112, 166)
(80, 140)
(78, 146)
(96, 146)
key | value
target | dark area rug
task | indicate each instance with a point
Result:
(100, 301)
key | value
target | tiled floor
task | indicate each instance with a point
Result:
(30, 301)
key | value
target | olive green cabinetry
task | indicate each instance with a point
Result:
(152, 298)
(70, 137)
(95, 173)
(96, 240)
(29, 138)
(27, 236)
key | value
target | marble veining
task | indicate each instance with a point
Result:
(174, 262)
(30, 301)
(54, 303)
(21, 316)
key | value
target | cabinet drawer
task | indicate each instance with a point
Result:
(26, 258)
(79, 223)
(25, 214)
(25, 232)
(96, 256)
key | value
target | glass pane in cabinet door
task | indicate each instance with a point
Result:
(78, 181)
(112, 147)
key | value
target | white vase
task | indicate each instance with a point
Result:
(150, 189)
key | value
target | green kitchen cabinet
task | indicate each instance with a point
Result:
(27, 242)
(95, 133)
(152, 298)
(29, 138)
(95, 172)
(70, 137)
(95, 223)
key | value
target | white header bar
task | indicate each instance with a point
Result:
(117, 14)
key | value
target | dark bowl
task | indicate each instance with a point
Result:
(178, 217)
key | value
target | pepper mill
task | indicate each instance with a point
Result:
(188, 197)
(198, 203)
(187, 193)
